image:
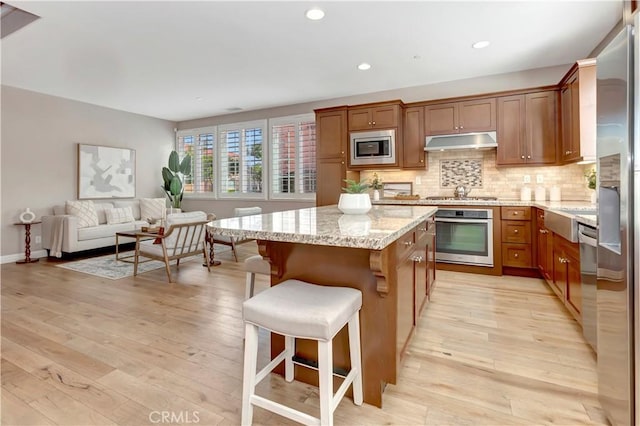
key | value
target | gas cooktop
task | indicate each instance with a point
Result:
(448, 198)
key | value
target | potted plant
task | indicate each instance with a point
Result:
(376, 185)
(355, 199)
(171, 176)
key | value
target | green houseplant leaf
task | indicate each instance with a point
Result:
(354, 187)
(171, 177)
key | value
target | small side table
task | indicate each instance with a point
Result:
(27, 241)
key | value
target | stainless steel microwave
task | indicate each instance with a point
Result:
(373, 148)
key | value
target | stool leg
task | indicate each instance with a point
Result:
(354, 353)
(250, 285)
(290, 348)
(250, 365)
(325, 373)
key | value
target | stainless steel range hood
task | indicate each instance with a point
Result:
(481, 140)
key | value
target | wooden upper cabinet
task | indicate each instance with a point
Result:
(460, 117)
(374, 117)
(413, 155)
(510, 133)
(527, 129)
(578, 112)
(331, 154)
(540, 132)
(331, 133)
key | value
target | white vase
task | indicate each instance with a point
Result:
(27, 216)
(354, 203)
(376, 195)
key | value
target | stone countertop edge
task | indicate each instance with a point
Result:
(382, 226)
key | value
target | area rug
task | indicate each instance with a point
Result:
(110, 268)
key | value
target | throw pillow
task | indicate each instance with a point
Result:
(160, 234)
(119, 215)
(85, 211)
(152, 208)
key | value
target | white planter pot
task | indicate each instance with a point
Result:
(354, 203)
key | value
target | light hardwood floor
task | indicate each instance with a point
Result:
(81, 350)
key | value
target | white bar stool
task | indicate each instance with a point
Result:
(297, 309)
(254, 265)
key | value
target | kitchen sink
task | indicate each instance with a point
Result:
(564, 223)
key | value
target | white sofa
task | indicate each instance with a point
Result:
(75, 239)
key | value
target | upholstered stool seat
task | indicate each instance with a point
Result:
(254, 265)
(297, 309)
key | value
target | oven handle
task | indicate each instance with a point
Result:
(454, 220)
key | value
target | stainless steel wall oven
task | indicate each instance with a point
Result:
(464, 236)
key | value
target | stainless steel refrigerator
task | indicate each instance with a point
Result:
(618, 234)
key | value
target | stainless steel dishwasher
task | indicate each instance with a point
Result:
(587, 236)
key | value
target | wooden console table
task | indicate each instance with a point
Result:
(27, 242)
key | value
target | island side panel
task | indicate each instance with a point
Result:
(348, 267)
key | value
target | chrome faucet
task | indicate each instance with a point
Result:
(461, 191)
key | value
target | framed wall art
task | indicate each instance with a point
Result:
(106, 172)
(391, 189)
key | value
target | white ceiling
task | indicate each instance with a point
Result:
(158, 57)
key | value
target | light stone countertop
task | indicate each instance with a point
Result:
(327, 226)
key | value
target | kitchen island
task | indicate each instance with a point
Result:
(387, 254)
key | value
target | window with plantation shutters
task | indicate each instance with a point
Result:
(293, 157)
(199, 143)
(241, 159)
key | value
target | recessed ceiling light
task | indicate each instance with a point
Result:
(480, 44)
(199, 98)
(364, 66)
(314, 14)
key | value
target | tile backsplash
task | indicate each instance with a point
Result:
(477, 170)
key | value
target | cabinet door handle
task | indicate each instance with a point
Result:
(515, 231)
(408, 243)
(515, 255)
(522, 157)
(342, 162)
(563, 260)
(422, 229)
(461, 127)
(369, 123)
(544, 231)
(528, 156)
(456, 128)
(373, 123)
(515, 213)
(417, 259)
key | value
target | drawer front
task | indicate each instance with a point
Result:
(405, 244)
(516, 213)
(516, 231)
(516, 255)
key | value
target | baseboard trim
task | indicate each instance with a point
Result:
(20, 256)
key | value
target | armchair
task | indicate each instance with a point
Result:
(184, 237)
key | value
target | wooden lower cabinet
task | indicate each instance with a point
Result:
(566, 274)
(517, 250)
(544, 247)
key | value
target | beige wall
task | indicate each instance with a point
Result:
(38, 154)
(472, 86)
